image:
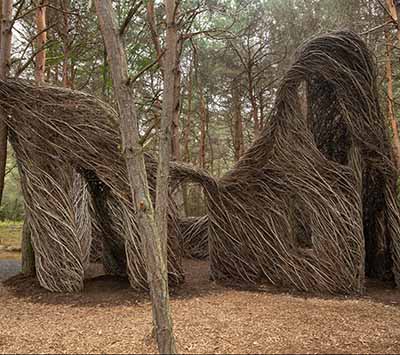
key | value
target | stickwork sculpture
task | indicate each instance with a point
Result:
(194, 232)
(75, 186)
(311, 205)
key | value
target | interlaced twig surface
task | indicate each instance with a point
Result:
(195, 236)
(311, 205)
(59, 137)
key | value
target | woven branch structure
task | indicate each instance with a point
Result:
(75, 187)
(194, 232)
(311, 205)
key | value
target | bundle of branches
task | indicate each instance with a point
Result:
(61, 137)
(311, 205)
(194, 232)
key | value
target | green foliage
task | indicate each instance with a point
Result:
(222, 40)
(10, 233)
(12, 206)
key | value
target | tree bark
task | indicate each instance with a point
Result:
(176, 154)
(28, 256)
(394, 16)
(41, 40)
(238, 123)
(203, 128)
(391, 115)
(5, 56)
(66, 43)
(153, 30)
(151, 20)
(253, 101)
(170, 68)
(188, 118)
(132, 150)
(261, 101)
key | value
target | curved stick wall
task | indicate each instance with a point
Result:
(311, 205)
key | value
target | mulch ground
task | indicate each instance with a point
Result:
(108, 317)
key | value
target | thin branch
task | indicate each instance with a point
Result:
(133, 10)
(146, 68)
(376, 28)
(32, 57)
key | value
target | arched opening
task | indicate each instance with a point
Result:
(332, 125)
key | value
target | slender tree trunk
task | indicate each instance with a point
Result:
(153, 30)
(175, 121)
(105, 75)
(238, 123)
(210, 143)
(188, 118)
(391, 114)
(394, 16)
(165, 335)
(253, 101)
(41, 41)
(56, 74)
(186, 138)
(203, 127)
(132, 150)
(5, 56)
(261, 101)
(151, 20)
(66, 43)
(28, 256)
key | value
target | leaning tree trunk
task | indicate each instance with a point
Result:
(132, 150)
(391, 115)
(5, 56)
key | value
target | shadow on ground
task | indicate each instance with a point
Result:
(109, 291)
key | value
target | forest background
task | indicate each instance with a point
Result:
(232, 55)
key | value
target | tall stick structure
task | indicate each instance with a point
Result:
(312, 203)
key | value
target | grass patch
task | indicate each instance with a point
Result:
(10, 239)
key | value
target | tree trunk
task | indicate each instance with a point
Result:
(5, 56)
(165, 336)
(203, 127)
(261, 101)
(175, 148)
(41, 40)
(175, 121)
(66, 43)
(394, 16)
(238, 123)
(152, 243)
(391, 115)
(28, 256)
(253, 102)
(188, 118)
